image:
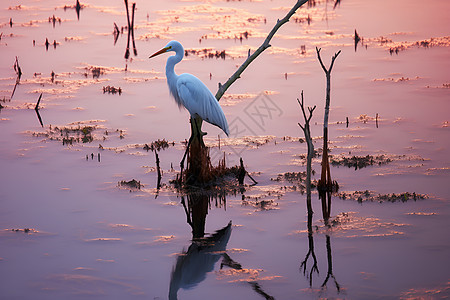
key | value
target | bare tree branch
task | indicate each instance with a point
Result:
(333, 59)
(224, 87)
(320, 59)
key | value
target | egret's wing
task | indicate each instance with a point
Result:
(198, 99)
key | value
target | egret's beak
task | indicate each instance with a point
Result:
(163, 50)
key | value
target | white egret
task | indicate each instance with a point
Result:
(190, 92)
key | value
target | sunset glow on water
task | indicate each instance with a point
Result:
(81, 215)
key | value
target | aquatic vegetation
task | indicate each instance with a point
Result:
(132, 184)
(359, 162)
(78, 132)
(158, 145)
(261, 205)
(371, 196)
(95, 71)
(297, 177)
(112, 90)
(206, 53)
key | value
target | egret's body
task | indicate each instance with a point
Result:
(189, 92)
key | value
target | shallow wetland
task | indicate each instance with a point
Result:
(86, 212)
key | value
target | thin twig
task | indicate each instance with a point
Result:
(158, 168)
(132, 29)
(18, 71)
(116, 33)
(36, 109)
(37, 104)
(127, 51)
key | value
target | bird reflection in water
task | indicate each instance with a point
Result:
(193, 264)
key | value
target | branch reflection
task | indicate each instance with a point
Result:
(326, 211)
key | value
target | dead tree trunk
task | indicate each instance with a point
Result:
(325, 184)
(198, 169)
(307, 132)
(325, 179)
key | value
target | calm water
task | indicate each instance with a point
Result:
(68, 230)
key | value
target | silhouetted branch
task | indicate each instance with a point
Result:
(224, 87)
(77, 9)
(357, 39)
(307, 132)
(158, 169)
(19, 75)
(243, 172)
(116, 33)
(229, 262)
(257, 288)
(127, 51)
(36, 109)
(314, 267)
(39, 101)
(186, 210)
(132, 29)
(336, 3)
(330, 267)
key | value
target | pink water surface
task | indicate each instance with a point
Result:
(89, 238)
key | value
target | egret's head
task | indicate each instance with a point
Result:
(171, 46)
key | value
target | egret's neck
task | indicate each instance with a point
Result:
(171, 76)
(170, 65)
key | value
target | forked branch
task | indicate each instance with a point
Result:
(332, 60)
(310, 110)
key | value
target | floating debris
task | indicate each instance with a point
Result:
(399, 79)
(24, 230)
